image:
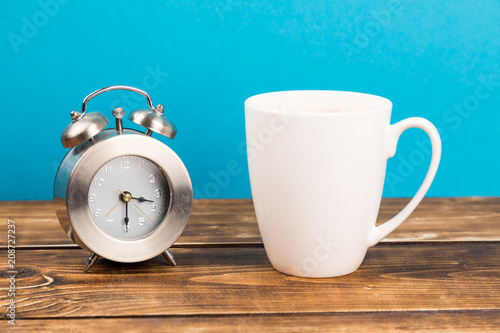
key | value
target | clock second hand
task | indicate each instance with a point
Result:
(112, 209)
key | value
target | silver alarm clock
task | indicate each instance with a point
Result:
(120, 193)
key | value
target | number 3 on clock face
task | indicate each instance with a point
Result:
(129, 197)
(120, 193)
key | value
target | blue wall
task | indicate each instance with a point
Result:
(202, 59)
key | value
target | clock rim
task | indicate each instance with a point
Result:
(84, 162)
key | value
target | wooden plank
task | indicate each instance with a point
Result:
(234, 222)
(212, 221)
(445, 219)
(424, 321)
(222, 281)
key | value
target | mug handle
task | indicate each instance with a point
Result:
(395, 131)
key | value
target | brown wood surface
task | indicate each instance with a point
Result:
(233, 222)
(241, 280)
(421, 321)
(439, 272)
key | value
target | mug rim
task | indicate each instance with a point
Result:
(252, 102)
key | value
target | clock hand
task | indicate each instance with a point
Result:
(127, 196)
(140, 210)
(142, 199)
(126, 219)
(112, 209)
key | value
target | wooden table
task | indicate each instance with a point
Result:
(439, 271)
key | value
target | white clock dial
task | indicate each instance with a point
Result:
(129, 197)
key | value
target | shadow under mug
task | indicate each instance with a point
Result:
(317, 163)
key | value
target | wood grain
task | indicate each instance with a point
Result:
(241, 281)
(439, 271)
(219, 222)
(421, 321)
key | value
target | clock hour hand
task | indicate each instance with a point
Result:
(127, 197)
(142, 199)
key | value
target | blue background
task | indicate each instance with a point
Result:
(202, 59)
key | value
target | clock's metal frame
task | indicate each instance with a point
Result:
(74, 178)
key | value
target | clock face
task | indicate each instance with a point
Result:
(129, 197)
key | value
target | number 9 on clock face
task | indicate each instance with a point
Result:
(129, 197)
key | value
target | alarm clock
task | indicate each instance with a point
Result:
(120, 193)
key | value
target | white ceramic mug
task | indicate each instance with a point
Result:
(317, 162)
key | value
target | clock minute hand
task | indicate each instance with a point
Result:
(126, 197)
(126, 219)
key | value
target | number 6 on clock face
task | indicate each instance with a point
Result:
(120, 193)
(144, 211)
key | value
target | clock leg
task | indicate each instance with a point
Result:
(170, 257)
(90, 262)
